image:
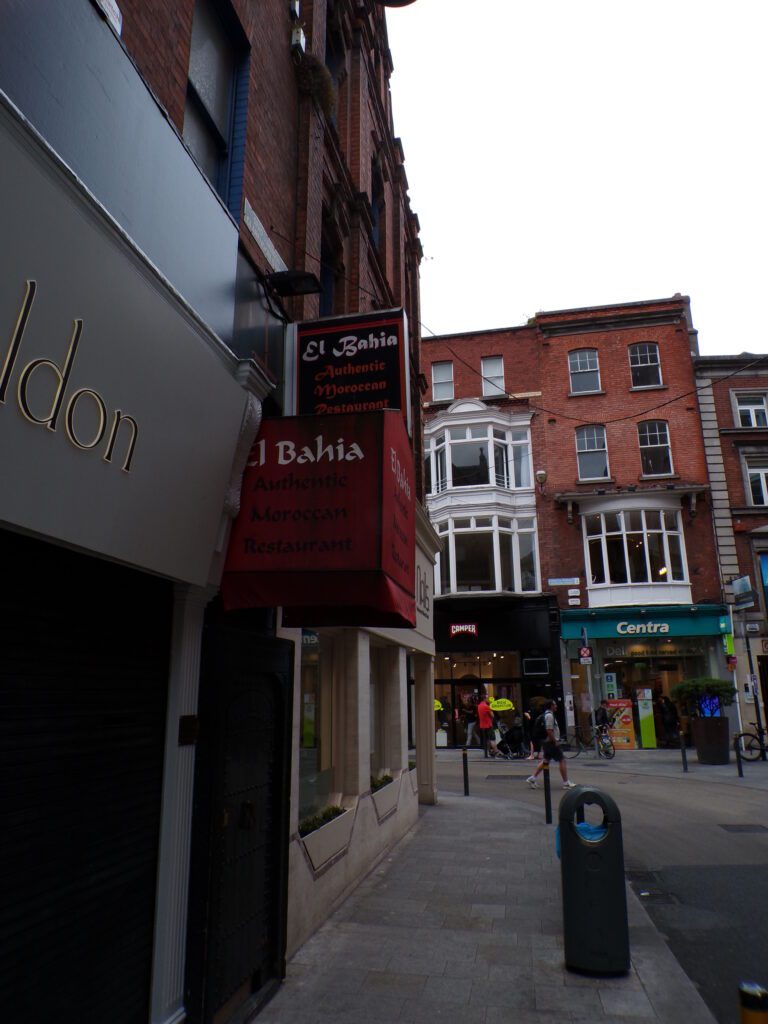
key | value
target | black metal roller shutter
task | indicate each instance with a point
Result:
(83, 683)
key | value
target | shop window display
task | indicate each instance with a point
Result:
(460, 680)
(315, 766)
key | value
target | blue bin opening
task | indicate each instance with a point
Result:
(589, 833)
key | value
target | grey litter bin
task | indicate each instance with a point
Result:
(595, 930)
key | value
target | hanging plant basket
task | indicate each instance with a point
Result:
(314, 79)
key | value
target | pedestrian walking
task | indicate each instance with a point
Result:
(551, 749)
(470, 721)
(485, 722)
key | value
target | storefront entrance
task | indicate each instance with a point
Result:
(639, 656)
(461, 679)
(504, 646)
(238, 882)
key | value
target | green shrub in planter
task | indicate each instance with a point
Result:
(318, 820)
(704, 696)
(380, 782)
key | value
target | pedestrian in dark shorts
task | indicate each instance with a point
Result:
(551, 749)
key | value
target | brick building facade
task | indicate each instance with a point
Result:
(608, 507)
(733, 391)
(183, 186)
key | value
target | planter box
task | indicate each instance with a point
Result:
(711, 739)
(385, 799)
(414, 780)
(330, 840)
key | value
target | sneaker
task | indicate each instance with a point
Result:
(532, 782)
(569, 785)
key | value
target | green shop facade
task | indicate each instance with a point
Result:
(638, 654)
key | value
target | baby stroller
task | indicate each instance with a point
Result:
(510, 746)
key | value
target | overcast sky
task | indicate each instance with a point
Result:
(579, 152)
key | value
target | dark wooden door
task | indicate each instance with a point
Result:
(240, 827)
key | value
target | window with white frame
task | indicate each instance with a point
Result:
(592, 452)
(637, 546)
(752, 410)
(492, 370)
(757, 472)
(644, 365)
(442, 382)
(477, 455)
(488, 553)
(584, 370)
(655, 451)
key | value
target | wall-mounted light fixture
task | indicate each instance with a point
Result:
(541, 479)
(287, 283)
(298, 40)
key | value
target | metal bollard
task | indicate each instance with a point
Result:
(737, 752)
(465, 764)
(547, 796)
(683, 754)
(753, 1003)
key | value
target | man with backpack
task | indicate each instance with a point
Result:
(550, 746)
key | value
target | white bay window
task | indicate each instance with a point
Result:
(634, 546)
(478, 455)
(490, 553)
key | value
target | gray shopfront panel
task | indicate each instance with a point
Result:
(119, 414)
(62, 66)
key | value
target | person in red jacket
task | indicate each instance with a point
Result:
(485, 724)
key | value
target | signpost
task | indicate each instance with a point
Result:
(585, 658)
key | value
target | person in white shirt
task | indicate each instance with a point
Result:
(551, 749)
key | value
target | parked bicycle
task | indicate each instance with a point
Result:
(750, 746)
(578, 743)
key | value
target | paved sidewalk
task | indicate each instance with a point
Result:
(462, 922)
(658, 763)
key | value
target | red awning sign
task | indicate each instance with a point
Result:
(327, 522)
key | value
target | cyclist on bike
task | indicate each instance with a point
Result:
(603, 716)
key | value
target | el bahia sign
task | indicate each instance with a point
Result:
(353, 364)
(326, 527)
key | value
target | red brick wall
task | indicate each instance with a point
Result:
(729, 443)
(157, 36)
(299, 166)
(621, 409)
(536, 359)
